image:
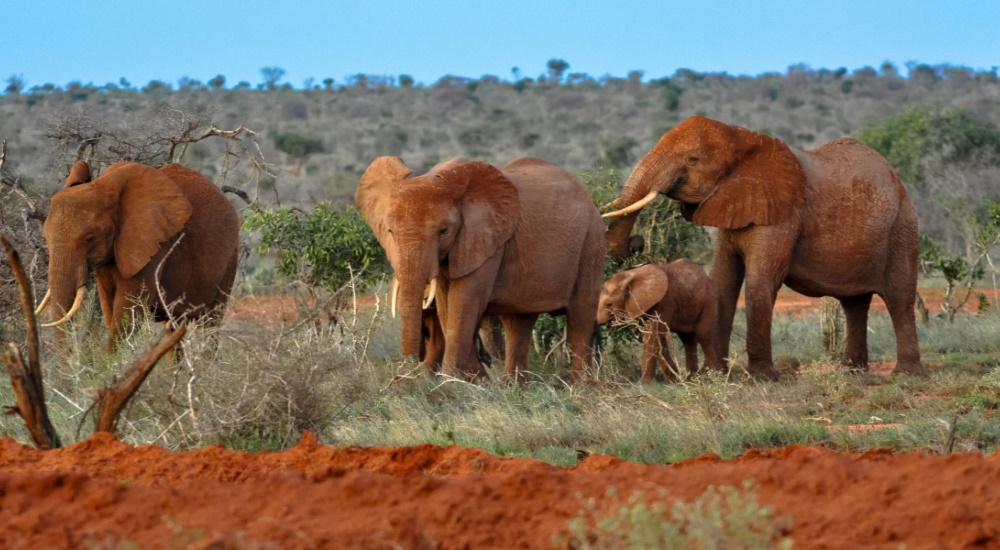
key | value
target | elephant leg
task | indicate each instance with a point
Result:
(703, 335)
(460, 308)
(491, 332)
(762, 290)
(518, 332)
(690, 351)
(856, 315)
(651, 354)
(899, 301)
(727, 278)
(432, 346)
(671, 369)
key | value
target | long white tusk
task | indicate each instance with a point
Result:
(430, 298)
(632, 207)
(610, 204)
(44, 302)
(395, 291)
(72, 311)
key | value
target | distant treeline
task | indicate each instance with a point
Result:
(322, 136)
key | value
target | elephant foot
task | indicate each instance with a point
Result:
(910, 367)
(647, 380)
(766, 372)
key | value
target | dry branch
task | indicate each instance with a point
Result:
(26, 379)
(111, 401)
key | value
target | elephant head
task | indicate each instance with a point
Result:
(725, 176)
(447, 222)
(122, 217)
(629, 294)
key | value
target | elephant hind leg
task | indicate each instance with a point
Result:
(517, 329)
(899, 302)
(690, 351)
(856, 314)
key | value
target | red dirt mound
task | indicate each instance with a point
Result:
(103, 493)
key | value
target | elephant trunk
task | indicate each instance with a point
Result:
(413, 277)
(639, 186)
(66, 279)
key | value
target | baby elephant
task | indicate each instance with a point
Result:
(674, 297)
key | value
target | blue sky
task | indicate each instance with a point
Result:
(99, 41)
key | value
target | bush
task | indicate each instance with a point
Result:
(325, 247)
(925, 133)
(726, 517)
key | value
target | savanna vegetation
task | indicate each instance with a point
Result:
(333, 368)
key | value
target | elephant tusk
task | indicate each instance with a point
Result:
(44, 302)
(610, 204)
(632, 207)
(430, 298)
(72, 311)
(395, 291)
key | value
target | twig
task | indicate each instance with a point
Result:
(238, 192)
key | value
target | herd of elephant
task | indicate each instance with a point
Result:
(468, 241)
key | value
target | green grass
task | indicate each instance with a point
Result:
(724, 517)
(252, 386)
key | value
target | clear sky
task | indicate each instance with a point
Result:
(100, 41)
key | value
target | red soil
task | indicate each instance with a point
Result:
(278, 309)
(102, 493)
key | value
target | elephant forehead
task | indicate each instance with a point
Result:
(81, 204)
(421, 202)
(697, 133)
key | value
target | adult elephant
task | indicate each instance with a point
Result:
(515, 242)
(834, 221)
(140, 229)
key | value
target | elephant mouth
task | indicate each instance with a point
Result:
(674, 186)
(688, 209)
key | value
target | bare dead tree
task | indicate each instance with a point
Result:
(26, 376)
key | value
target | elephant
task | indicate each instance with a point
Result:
(675, 297)
(833, 221)
(144, 231)
(514, 242)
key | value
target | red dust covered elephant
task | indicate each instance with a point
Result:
(140, 228)
(834, 221)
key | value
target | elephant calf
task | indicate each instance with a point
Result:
(674, 297)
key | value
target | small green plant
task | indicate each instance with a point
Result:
(724, 517)
(326, 247)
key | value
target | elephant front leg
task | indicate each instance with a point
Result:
(727, 278)
(761, 292)
(856, 316)
(460, 313)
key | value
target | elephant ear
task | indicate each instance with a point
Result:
(766, 186)
(646, 288)
(152, 209)
(374, 190)
(79, 174)
(491, 210)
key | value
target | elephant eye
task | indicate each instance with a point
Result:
(91, 239)
(443, 231)
(692, 159)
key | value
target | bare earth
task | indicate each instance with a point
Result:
(102, 493)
